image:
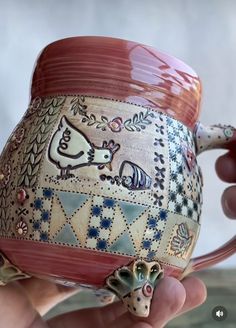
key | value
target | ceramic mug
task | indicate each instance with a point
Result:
(99, 182)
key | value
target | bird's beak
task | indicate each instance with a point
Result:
(108, 165)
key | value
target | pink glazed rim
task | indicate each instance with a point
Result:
(118, 69)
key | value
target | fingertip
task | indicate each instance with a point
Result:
(196, 293)
(168, 299)
(172, 291)
(225, 167)
(228, 201)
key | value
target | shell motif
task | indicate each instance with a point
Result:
(21, 228)
(181, 243)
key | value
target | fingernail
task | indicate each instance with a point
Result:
(229, 205)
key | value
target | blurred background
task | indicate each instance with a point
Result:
(201, 33)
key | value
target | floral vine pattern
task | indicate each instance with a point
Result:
(137, 123)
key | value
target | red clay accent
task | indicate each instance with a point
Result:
(121, 70)
(147, 290)
(74, 264)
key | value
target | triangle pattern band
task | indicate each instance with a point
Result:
(71, 202)
(58, 220)
(80, 222)
(66, 235)
(131, 211)
(137, 230)
(123, 245)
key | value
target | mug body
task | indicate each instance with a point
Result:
(102, 168)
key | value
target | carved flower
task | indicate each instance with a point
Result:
(116, 125)
(229, 132)
(34, 106)
(17, 138)
(21, 228)
(5, 173)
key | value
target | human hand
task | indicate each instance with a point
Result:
(226, 170)
(20, 302)
(170, 299)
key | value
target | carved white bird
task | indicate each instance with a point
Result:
(70, 149)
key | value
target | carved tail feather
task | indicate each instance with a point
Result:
(135, 284)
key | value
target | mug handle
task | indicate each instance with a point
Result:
(206, 138)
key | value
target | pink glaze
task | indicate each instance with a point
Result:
(220, 254)
(78, 265)
(121, 70)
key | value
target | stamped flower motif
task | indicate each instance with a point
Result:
(229, 131)
(116, 125)
(21, 228)
(34, 106)
(21, 195)
(5, 173)
(17, 138)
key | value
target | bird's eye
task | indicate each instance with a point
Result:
(106, 156)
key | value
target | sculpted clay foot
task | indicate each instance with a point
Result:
(135, 285)
(9, 272)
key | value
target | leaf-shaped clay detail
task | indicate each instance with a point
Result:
(44, 138)
(51, 111)
(46, 120)
(104, 119)
(41, 148)
(27, 181)
(23, 169)
(35, 170)
(33, 181)
(20, 181)
(43, 127)
(29, 148)
(29, 169)
(91, 123)
(100, 125)
(129, 128)
(37, 159)
(35, 148)
(183, 230)
(32, 138)
(135, 118)
(32, 158)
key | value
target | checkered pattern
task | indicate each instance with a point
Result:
(179, 203)
(179, 133)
